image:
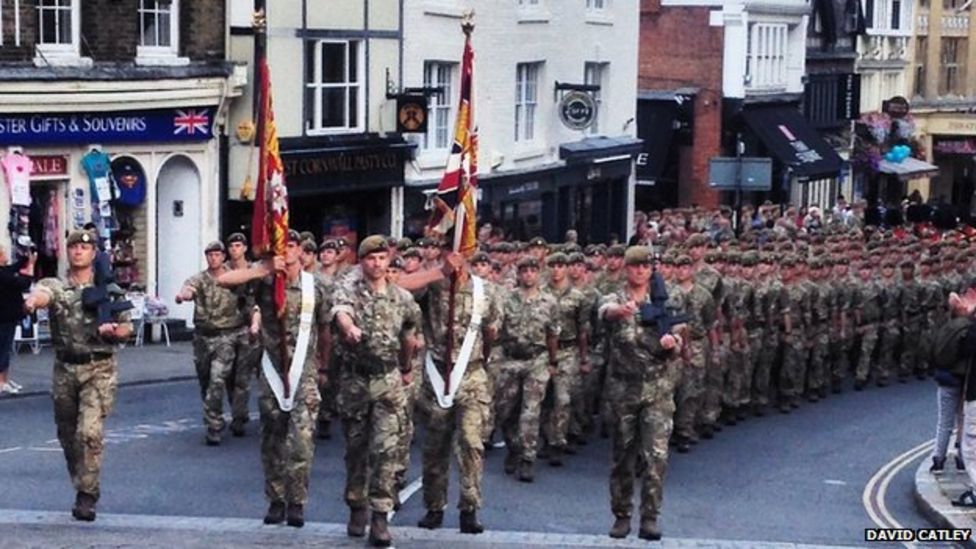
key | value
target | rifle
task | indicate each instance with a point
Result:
(655, 312)
(105, 298)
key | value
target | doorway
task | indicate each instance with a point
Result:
(178, 247)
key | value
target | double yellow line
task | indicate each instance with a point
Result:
(877, 488)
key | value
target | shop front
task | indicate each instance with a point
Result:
(950, 138)
(147, 179)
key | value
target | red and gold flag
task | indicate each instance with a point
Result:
(455, 203)
(269, 224)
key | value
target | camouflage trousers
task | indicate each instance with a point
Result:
(287, 448)
(750, 360)
(589, 402)
(715, 371)
(83, 397)
(794, 365)
(214, 357)
(411, 391)
(372, 409)
(329, 391)
(690, 388)
(466, 418)
(567, 391)
(868, 342)
(519, 393)
(839, 356)
(765, 360)
(911, 337)
(247, 360)
(817, 371)
(641, 415)
(492, 368)
(890, 335)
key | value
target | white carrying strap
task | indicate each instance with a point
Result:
(301, 350)
(464, 355)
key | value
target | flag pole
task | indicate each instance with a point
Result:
(260, 26)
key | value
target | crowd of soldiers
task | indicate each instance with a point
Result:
(560, 351)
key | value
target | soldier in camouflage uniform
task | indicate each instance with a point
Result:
(573, 358)
(793, 302)
(911, 321)
(934, 312)
(220, 320)
(377, 321)
(585, 407)
(468, 413)
(891, 318)
(641, 377)
(85, 368)
(707, 276)
(529, 337)
(697, 302)
(329, 273)
(247, 350)
(481, 267)
(867, 307)
(841, 333)
(819, 332)
(767, 308)
(287, 448)
(750, 335)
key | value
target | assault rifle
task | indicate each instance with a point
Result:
(105, 298)
(655, 312)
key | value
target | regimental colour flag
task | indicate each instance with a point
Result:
(269, 224)
(455, 202)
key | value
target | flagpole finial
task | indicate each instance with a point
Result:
(467, 22)
(259, 21)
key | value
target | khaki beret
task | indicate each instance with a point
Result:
(683, 260)
(576, 257)
(696, 240)
(637, 255)
(617, 250)
(215, 246)
(237, 237)
(750, 259)
(294, 236)
(404, 244)
(309, 246)
(527, 262)
(307, 235)
(397, 263)
(538, 241)
(412, 252)
(329, 244)
(558, 258)
(480, 257)
(81, 237)
(372, 244)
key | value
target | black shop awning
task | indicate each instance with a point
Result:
(792, 141)
(655, 126)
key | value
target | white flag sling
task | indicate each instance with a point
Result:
(464, 355)
(301, 350)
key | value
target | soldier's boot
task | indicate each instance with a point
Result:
(758, 410)
(706, 431)
(511, 462)
(432, 520)
(379, 531)
(357, 522)
(469, 523)
(649, 529)
(525, 473)
(838, 386)
(682, 444)
(276, 513)
(741, 413)
(860, 384)
(620, 528)
(729, 416)
(822, 392)
(556, 456)
(237, 428)
(324, 430)
(213, 437)
(296, 515)
(84, 508)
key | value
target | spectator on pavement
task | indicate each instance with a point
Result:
(14, 281)
(966, 306)
(950, 375)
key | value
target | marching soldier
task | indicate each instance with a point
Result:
(247, 350)
(329, 272)
(867, 307)
(841, 334)
(377, 321)
(767, 302)
(288, 412)
(641, 377)
(481, 267)
(891, 293)
(220, 320)
(819, 333)
(529, 338)
(911, 321)
(793, 302)
(85, 368)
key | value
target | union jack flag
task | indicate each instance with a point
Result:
(191, 121)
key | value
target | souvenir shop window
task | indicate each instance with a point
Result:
(130, 182)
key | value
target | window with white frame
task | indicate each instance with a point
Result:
(594, 74)
(334, 91)
(596, 5)
(528, 3)
(158, 27)
(766, 60)
(440, 106)
(888, 15)
(57, 25)
(526, 100)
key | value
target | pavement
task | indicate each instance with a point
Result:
(150, 363)
(934, 494)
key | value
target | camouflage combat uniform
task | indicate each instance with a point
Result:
(371, 397)
(84, 382)
(574, 319)
(912, 296)
(287, 448)
(690, 388)
(891, 292)
(641, 378)
(868, 306)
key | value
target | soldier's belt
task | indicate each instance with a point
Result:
(370, 368)
(523, 354)
(212, 332)
(81, 358)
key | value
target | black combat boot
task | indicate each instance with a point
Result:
(213, 437)
(296, 515)
(525, 471)
(432, 520)
(357, 522)
(84, 508)
(237, 428)
(620, 528)
(556, 456)
(938, 465)
(379, 531)
(511, 462)
(276, 513)
(324, 430)
(469, 523)
(649, 529)
(706, 431)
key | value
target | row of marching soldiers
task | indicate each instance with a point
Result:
(769, 325)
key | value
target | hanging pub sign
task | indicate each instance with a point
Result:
(156, 125)
(577, 110)
(411, 114)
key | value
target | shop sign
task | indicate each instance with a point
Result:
(158, 125)
(577, 110)
(341, 163)
(955, 146)
(896, 107)
(49, 165)
(412, 114)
